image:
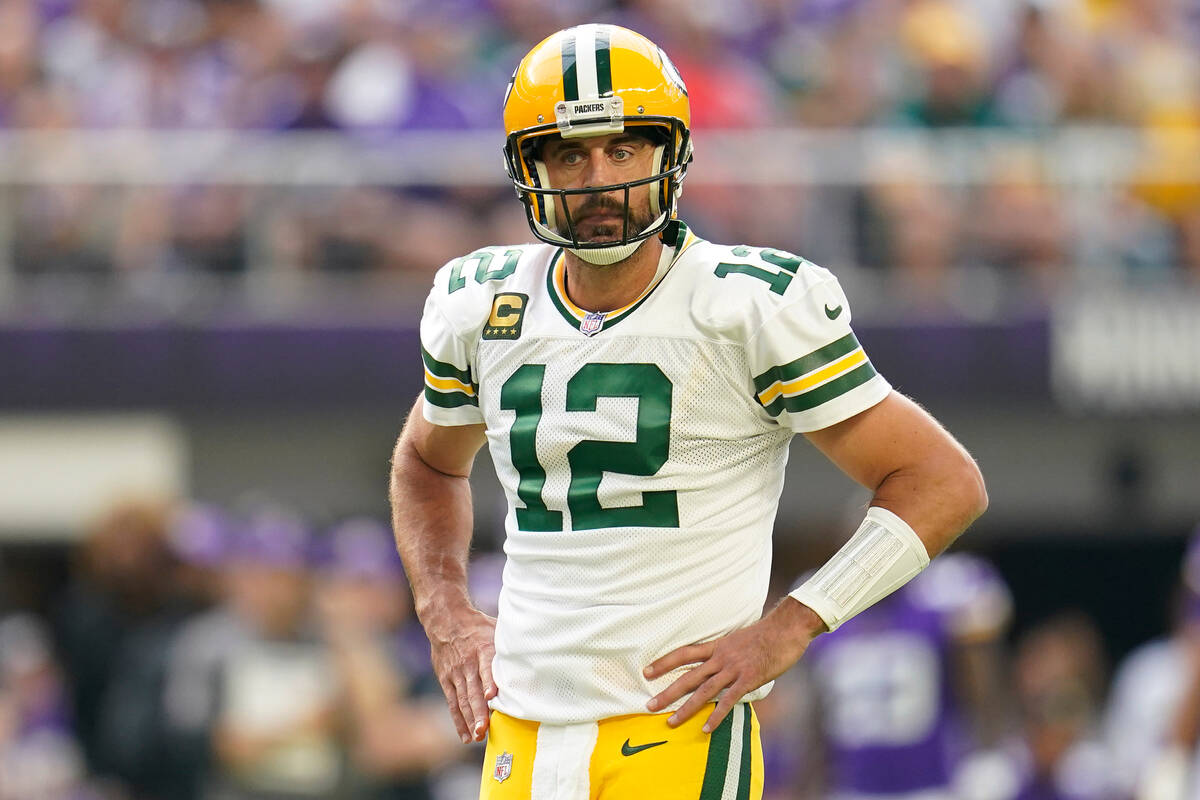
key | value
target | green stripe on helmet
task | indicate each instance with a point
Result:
(570, 73)
(603, 63)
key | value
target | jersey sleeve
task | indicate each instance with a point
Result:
(451, 390)
(809, 369)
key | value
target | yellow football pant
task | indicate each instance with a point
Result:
(624, 758)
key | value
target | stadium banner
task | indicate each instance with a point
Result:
(1127, 351)
(231, 367)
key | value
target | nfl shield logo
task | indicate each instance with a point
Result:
(503, 767)
(592, 323)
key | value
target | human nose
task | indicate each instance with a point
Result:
(599, 170)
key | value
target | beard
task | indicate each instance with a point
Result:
(616, 219)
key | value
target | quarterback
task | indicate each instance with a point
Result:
(638, 388)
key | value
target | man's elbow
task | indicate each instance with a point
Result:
(970, 490)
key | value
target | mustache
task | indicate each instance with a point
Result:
(603, 205)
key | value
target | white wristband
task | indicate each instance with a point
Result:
(882, 555)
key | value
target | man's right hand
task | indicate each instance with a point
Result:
(431, 514)
(463, 644)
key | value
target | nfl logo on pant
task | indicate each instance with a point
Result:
(503, 767)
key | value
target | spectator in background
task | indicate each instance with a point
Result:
(57, 232)
(251, 692)
(1153, 716)
(1150, 60)
(1058, 677)
(909, 687)
(209, 235)
(120, 585)
(396, 730)
(947, 54)
(1018, 226)
(1167, 185)
(131, 729)
(199, 535)
(372, 70)
(18, 26)
(909, 225)
(727, 89)
(826, 56)
(39, 755)
(1049, 74)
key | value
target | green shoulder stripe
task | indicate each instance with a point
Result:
(805, 364)
(823, 393)
(450, 399)
(444, 370)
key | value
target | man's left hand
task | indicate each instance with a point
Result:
(736, 663)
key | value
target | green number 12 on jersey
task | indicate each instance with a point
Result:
(590, 459)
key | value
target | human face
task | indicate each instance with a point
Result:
(601, 161)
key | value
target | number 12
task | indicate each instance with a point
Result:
(590, 459)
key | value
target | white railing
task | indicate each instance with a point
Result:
(1086, 167)
(1069, 157)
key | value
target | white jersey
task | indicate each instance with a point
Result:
(642, 451)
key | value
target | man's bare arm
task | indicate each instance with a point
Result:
(432, 520)
(915, 469)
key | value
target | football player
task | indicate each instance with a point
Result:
(638, 388)
(910, 685)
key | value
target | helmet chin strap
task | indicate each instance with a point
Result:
(604, 256)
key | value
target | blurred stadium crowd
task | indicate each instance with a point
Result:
(377, 70)
(197, 652)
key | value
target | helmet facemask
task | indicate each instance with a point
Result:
(530, 177)
(590, 81)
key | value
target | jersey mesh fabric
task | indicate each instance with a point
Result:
(585, 606)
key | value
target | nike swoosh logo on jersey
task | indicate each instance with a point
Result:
(628, 750)
(833, 313)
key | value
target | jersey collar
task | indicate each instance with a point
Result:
(676, 238)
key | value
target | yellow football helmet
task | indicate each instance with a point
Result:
(594, 80)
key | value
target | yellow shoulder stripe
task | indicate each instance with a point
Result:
(842, 365)
(448, 384)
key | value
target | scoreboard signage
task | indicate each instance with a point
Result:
(1127, 351)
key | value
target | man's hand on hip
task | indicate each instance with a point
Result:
(463, 644)
(736, 663)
